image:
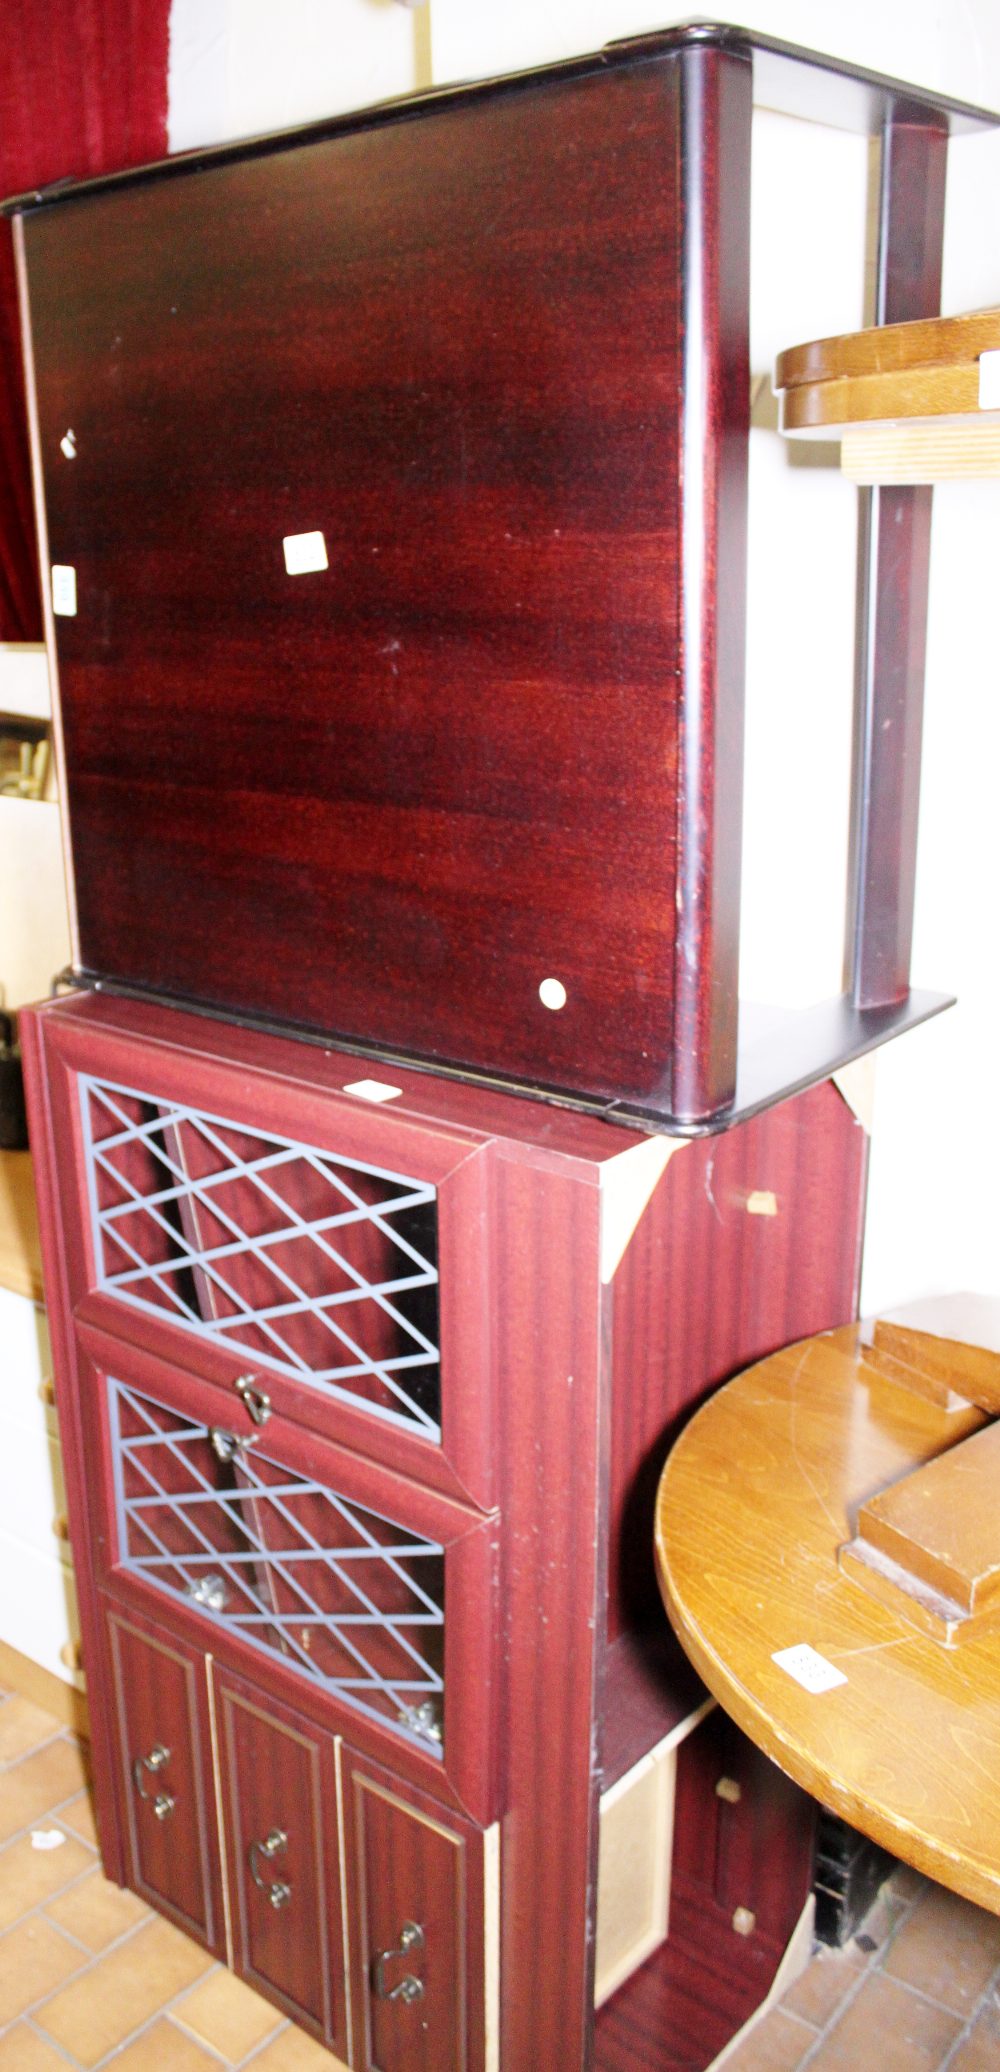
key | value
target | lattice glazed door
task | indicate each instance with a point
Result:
(283, 1232)
(329, 1580)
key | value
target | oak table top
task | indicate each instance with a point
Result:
(754, 1502)
(20, 1250)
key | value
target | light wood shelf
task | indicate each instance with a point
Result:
(910, 403)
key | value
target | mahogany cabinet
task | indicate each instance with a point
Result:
(363, 1380)
(391, 491)
(392, 488)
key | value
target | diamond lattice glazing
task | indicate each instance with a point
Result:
(343, 1595)
(319, 1265)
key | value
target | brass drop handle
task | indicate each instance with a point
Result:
(411, 1937)
(162, 1802)
(278, 1891)
(256, 1401)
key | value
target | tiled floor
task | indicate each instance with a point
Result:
(89, 1978)
(916, 1991)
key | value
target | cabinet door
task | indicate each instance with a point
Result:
(165, 1770)
(279, 1794)
(247, 1214)
(357, 1595)
(419, 1969)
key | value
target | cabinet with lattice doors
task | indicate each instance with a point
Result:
(360, 1372)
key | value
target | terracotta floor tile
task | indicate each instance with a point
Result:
(34, 1960)
(24, 1726)
(80, 1817)
(294, 2051)
(23, 2050)
(164, 2048)
(948, 1948)
(30, 1876)
(227, 2014)
(97, 1912)
(37, 1783)
(825, 1980)
(122, 1991)
(981, 2050)
(887, 2029)
(778, 2044)
(906, 1883)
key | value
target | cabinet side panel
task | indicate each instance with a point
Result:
(751, 1240)
(51, 1155)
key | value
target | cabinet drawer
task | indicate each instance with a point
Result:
(363, 1597)
(165, 1776)
(422, 1974)
(286, 1233)
(278, 1789)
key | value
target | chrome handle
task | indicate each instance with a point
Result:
(411, 1937)
(256, 1401)
(278, 1892)
(162, 1802)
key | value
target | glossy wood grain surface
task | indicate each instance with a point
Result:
(755, 1501)
(443, 769)
(751, 1211)
(169, 1807)
(278, 1781)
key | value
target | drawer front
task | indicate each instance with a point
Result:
(165, 1773)
(279, 1795)
(328, 1256)
(419, 1966)
(361, 1597)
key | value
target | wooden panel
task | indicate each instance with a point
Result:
(747, 1240)
(278, 1792)
(449, 342)
(714, 133)
(166, 1777)
(410, 1866)
(554, 1437)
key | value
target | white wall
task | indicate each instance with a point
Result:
(933, 1218)
(244, 65)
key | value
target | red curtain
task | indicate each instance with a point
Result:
(83, 89)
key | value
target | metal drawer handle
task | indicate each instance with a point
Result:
(162, 1802)
(256, 1401)
(279, 1892)
(409, 1988)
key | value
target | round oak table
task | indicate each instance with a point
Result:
(754, 1501)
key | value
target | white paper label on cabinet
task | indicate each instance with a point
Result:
(989, 381)
(304, 552)
(63, 590)
(373, 1090)
(809, 1669)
